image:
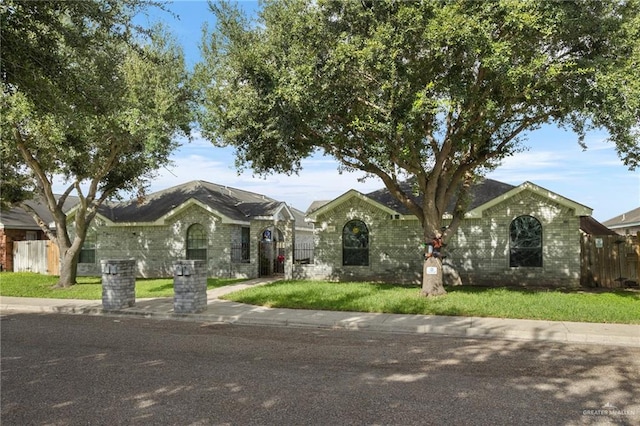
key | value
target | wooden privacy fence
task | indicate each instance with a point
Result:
(610, 261)
(41, 256)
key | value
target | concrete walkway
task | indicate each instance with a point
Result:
(223, 311)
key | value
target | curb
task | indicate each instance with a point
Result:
(465, 327)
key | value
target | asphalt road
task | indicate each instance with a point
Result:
(98, 370)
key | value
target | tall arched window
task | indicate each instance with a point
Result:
(196, 242)
(525, 242)
(355, 244)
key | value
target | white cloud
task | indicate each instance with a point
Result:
(318, 180)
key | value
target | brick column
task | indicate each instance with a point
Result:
(189, 286)
(118, 283)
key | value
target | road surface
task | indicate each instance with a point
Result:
(101, 370)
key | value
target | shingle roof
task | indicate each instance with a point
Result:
(630, 218)
(481, 192)
(590, 226)
(235, 204)
(17, 218)
(315, 205)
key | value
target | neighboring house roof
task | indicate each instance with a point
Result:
(18, 218)
(590, 226)
(625, 220)
(484, 194)
(315, 205)
(231, 204)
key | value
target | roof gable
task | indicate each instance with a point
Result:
(352, 193)
(231, 204)
(481, 192)
(483, 195)
(579, 209)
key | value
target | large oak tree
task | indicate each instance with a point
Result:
(89, 97)
(434, 91)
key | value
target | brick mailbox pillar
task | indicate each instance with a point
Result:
(189, 286)
(118, 283)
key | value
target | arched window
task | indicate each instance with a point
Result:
(525, 242)
(355, 244)
(196, 242)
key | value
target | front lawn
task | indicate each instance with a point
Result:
(615, 306)
(27, 284)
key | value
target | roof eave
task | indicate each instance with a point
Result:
(164, 219)
(623, 225)
(352, 193)
(578, 209)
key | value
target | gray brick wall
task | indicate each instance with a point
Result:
(394, 254)
(156, 247)
(118, 283)
(189, 286)
(479, 251)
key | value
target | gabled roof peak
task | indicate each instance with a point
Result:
(484, 194)
(231, 203)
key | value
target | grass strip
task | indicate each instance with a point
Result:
(612, 306)
(28, 284)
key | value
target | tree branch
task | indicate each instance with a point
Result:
(39, 221)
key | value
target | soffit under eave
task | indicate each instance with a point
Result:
(578, 209)
(35, 227)
(624, 225)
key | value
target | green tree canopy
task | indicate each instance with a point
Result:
(434, 91)
(89, 97)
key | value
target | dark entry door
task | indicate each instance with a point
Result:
(271, 255)
(266, 258)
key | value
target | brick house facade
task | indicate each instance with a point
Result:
(223, 226)
(353, 237)
(484, 251)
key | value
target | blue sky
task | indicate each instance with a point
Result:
(595, 177)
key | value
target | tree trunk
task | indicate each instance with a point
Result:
(432, 282)
(68, 269)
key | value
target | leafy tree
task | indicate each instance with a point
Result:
(89, 97)
(438, 92)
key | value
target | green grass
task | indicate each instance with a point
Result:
(27, 284)
(615, 306)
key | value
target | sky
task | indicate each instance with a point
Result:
(595, 177)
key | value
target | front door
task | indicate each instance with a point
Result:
(271, 253)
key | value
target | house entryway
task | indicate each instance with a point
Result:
(271, 252)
